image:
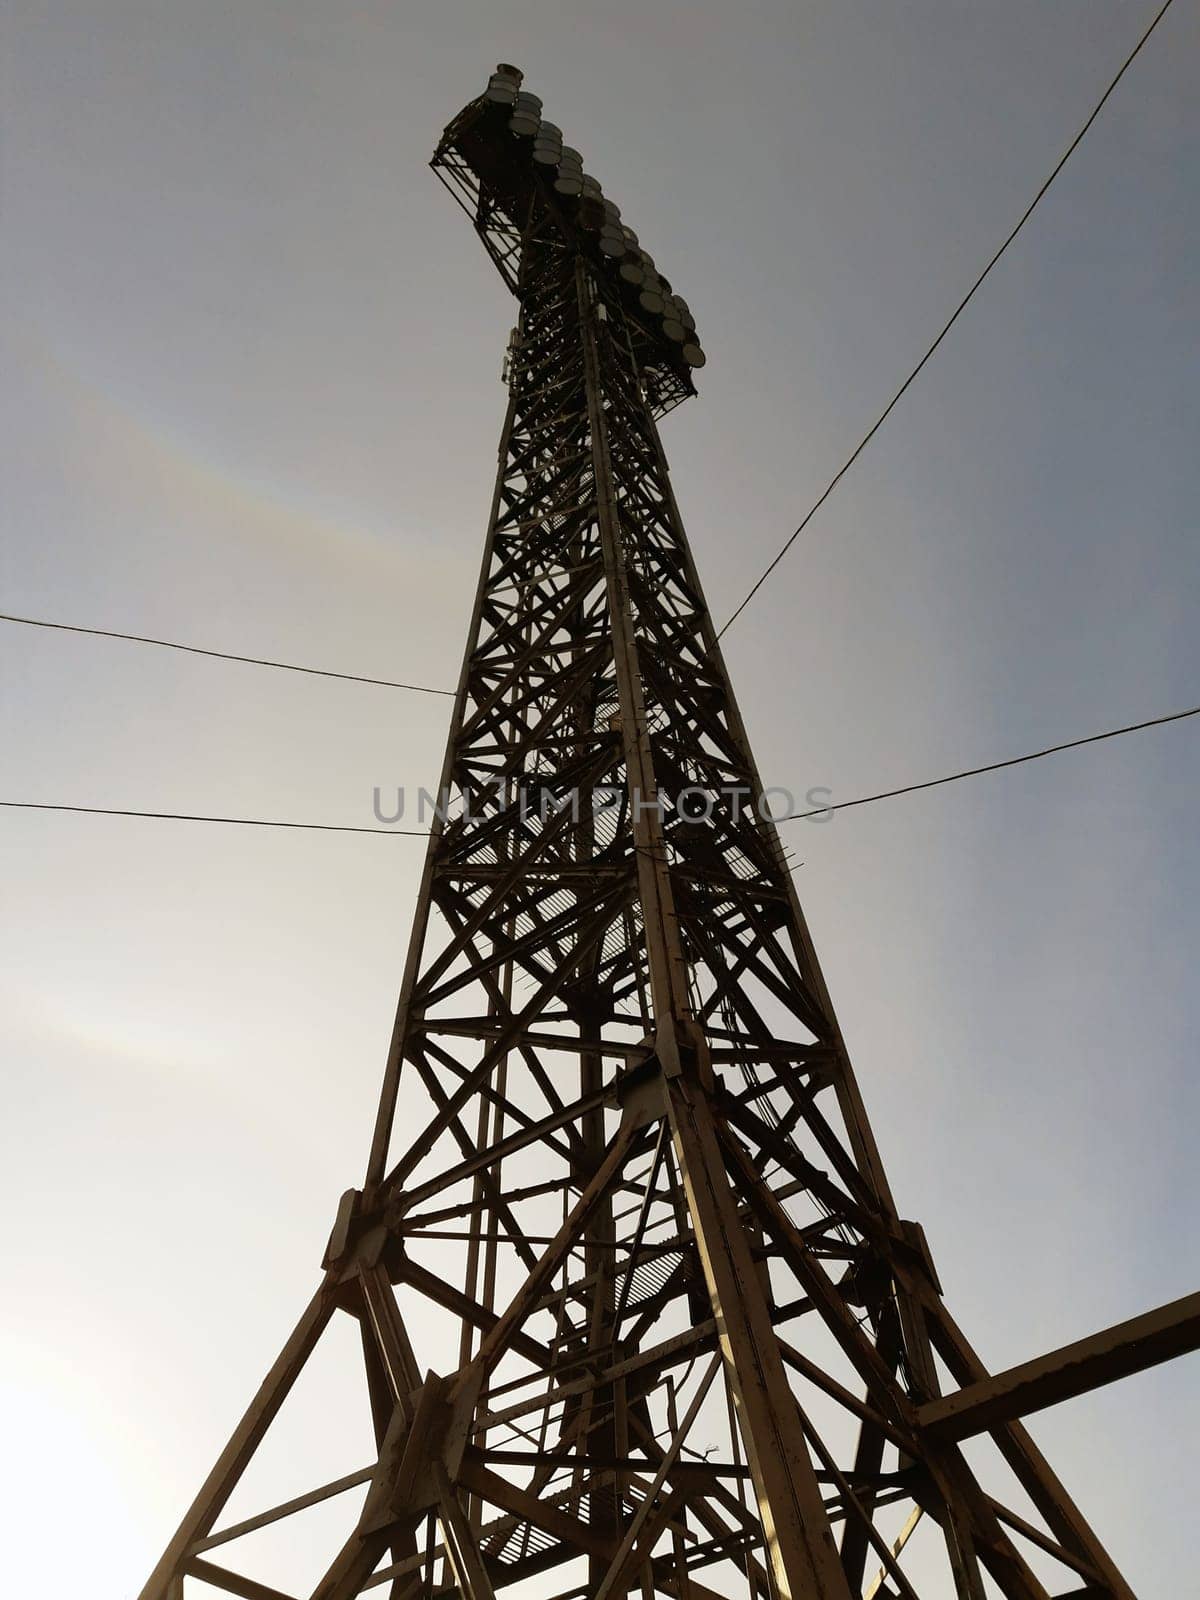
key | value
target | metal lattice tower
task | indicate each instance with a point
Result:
(620, 1148)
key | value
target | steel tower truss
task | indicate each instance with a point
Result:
(638, 1313)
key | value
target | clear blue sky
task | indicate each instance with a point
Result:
(251, 400)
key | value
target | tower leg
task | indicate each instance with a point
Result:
(801, 1552)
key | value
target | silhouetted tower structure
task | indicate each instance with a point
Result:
(638, 1313)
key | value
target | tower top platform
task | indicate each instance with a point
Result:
(510, 170)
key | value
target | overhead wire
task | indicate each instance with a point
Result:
(189, 816)
(795, 816)
(992, 766)
(958, 311)
(222, 655)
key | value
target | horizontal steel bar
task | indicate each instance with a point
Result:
(1117, 1352)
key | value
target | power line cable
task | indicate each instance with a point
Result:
(797, 816)
(222, 655)
(961, 307)
(187, 816)
(992, 766)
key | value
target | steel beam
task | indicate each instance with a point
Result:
(1074, 1369)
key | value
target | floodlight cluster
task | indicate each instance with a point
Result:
(595, 213)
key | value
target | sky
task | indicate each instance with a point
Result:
(251, 401)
